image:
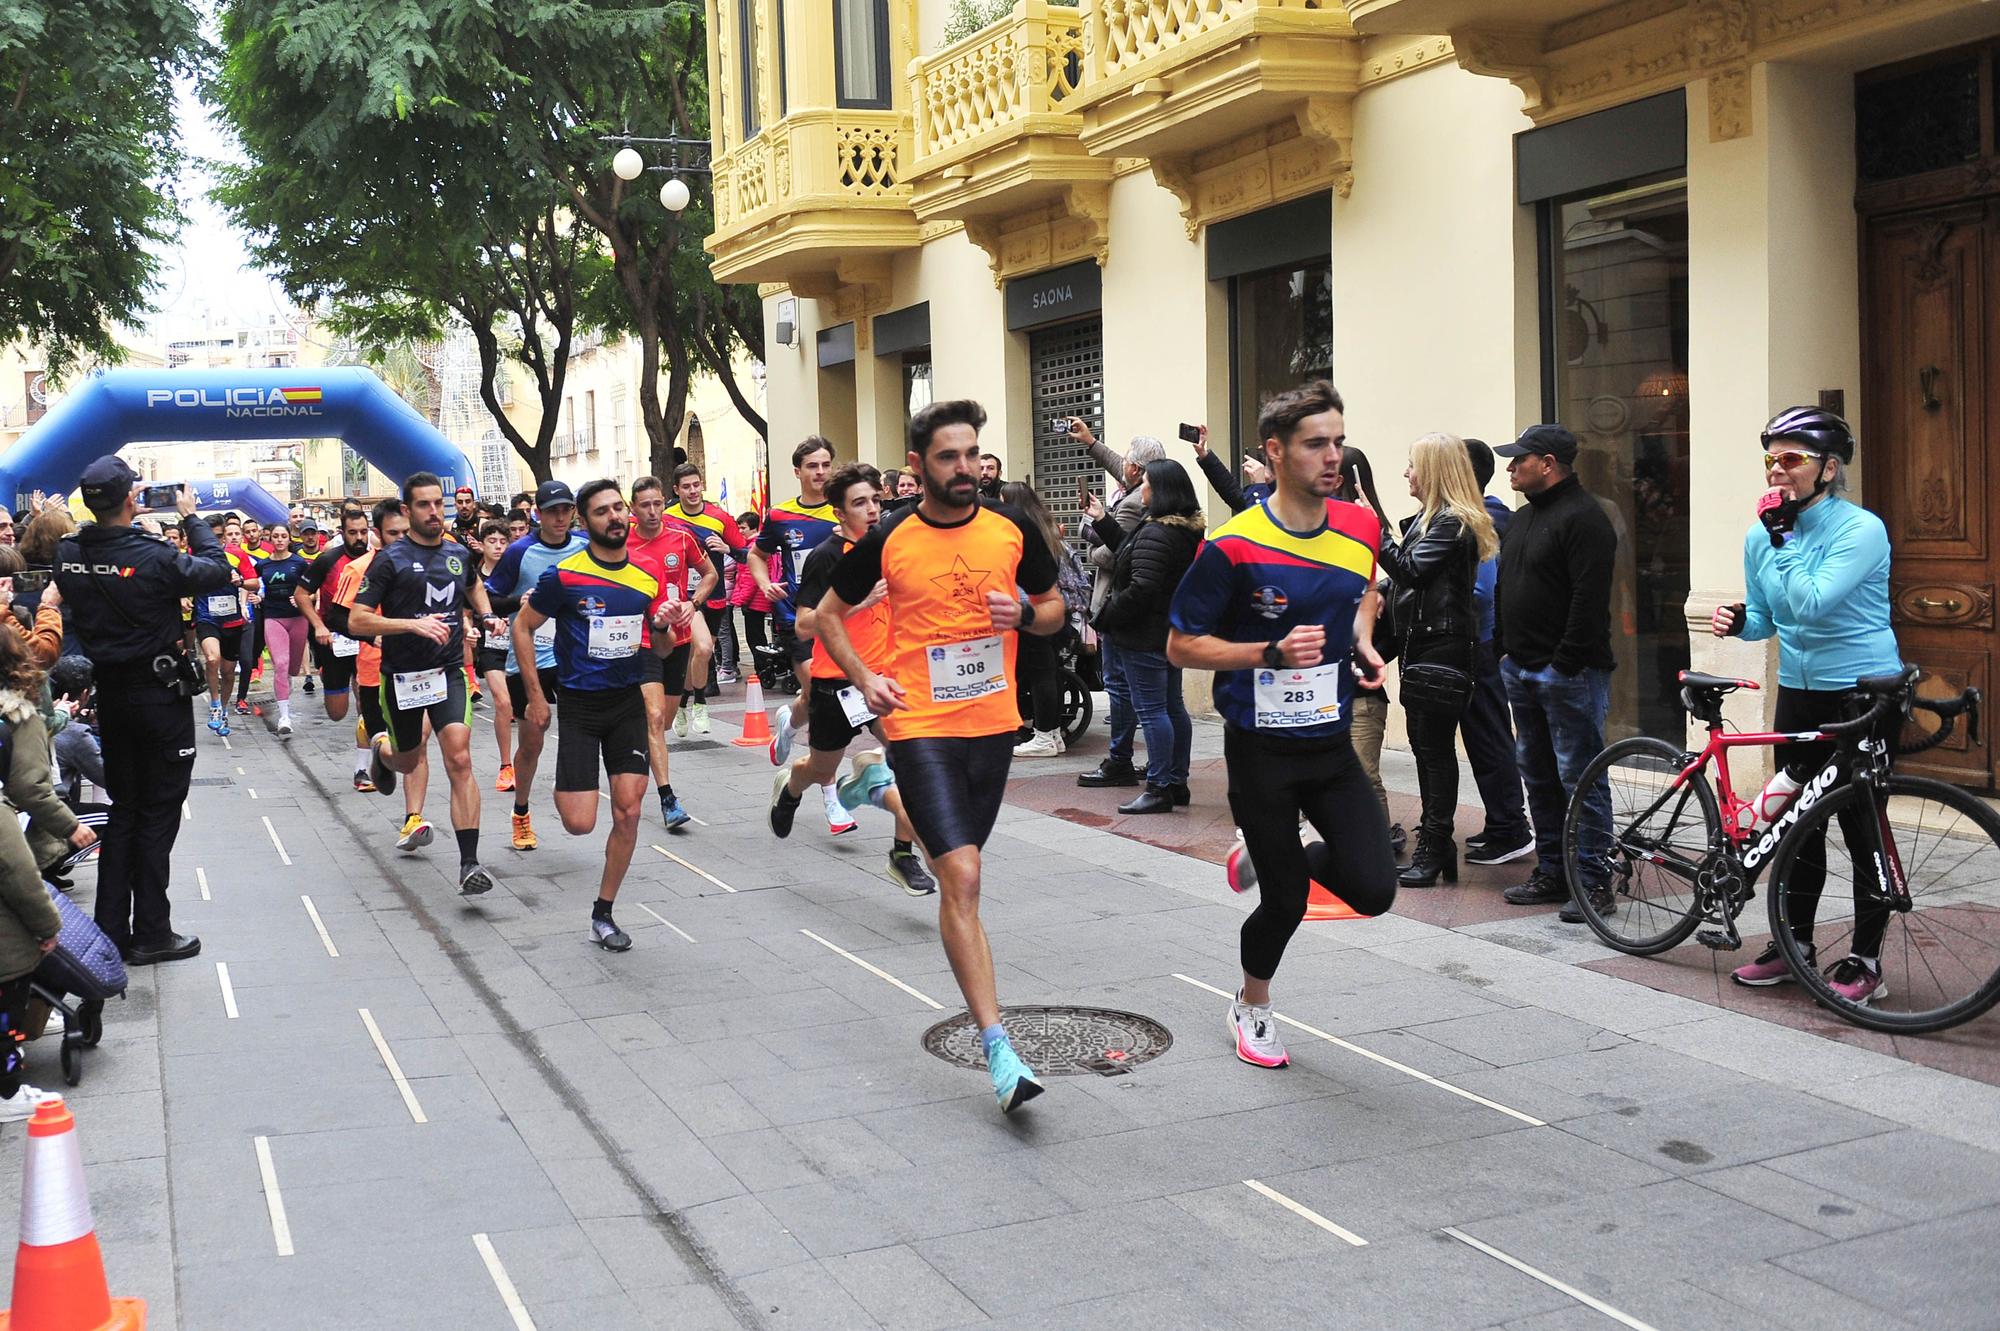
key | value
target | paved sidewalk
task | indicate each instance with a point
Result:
(736, 1125)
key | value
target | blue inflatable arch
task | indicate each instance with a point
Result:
(148, 406)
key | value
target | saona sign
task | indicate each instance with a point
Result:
(240, 402)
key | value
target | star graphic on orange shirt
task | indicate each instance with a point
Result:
(960, 582)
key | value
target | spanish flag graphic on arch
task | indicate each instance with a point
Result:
(301, 394)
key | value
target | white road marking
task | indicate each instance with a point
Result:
(228, 994)
(201, 881)
(187, 811)
(1305, 1212)
(515, 1308)
(692, 869)
(226, 744)
(1384, 1060)
(252, 790)
(281, 845)
(874, 970)
(395, 1068)
(1595, 1305)
(696, 821)
(664, 920)
(239, 771)
(281, 1228)
(320, 925)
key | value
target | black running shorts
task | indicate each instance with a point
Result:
(602, 726)
(335, 672)
(406, 726)
(827, 726)
(517, 692)
(952, 787)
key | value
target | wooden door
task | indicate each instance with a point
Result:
(1930, 448)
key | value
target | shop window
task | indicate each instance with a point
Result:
(1911, 123)
(916, 382)
(1615, 342)
(861, 53)
(1280, 336)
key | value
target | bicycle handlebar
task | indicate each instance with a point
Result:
(1947, 710)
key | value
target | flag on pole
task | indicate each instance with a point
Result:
(725, 492)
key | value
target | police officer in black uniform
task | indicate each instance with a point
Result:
(124, 590)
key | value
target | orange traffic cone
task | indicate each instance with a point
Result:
(756, 726)
(1324, 905)
(58, 1271)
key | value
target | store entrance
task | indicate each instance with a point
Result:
(1066, 378)
(1930, 428)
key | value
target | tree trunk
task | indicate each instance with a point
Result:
(678, 376)
(718, 364)
(535, 454)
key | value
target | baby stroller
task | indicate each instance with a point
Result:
(84, 967)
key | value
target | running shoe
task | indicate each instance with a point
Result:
(700, 710)
(308, 686)
(682, 721)
(1242, 873)
(1014, 1082)
(907, 868)
(609, 936)
(1856, 981)
(21, 1104)
(416, 833)
(781, 742)
(505, 781)
(1256, 1033)
(866, 779)
(1768, 969)
(284, 727)
(784, 804)
(728, 677)
(379, 771)
(524, 832)
(672, 814)
(474, 881)
(1499, 850)
(243, 707)
(838, 821)
(1045, 744)
(362, 784)
(218, 720)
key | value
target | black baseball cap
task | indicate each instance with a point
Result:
(1548, 440)
(106, 482)
(550, 493)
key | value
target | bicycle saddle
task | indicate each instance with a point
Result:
(1694, 679)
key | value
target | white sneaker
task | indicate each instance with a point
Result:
(22, 1103)
(1256, 1032)
(681, 721)
(700, 711)
(284, 725)
(781, 742)
(1045, 744)
(838, 819)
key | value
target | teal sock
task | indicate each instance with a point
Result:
(992, 1037)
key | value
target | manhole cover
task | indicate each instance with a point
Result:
(212, 781)
(1058, 1041)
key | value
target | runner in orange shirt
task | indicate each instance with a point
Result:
(390, 523)
(955, 571)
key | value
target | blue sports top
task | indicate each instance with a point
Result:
(281, 577)
(599, 611)
(519, 572)
(1825, 593)
(1254, 581)
(794, 529)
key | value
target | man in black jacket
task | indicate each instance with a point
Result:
(124, 589)
(1552, 623)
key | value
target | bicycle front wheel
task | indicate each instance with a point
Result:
(1940, 958)
(1661, 834)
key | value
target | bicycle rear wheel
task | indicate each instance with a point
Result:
(1941, 958)
(1660, 838)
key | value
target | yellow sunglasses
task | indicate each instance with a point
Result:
(1789, 460)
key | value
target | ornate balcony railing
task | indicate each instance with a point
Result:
(1020, 72)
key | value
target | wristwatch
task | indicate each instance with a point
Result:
(1273, 657)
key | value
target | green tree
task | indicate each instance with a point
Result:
(87, 154)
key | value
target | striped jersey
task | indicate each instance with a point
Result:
(794, 529)
(712, 520)
(600, 612)
(1254, 581)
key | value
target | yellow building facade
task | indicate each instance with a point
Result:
(1657, 222)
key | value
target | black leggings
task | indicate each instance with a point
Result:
(1271, 782)
(1434, 741)
(754, 636)
(1804, 709)
(1041, 679)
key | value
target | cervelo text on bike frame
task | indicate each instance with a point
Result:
(1809, 795)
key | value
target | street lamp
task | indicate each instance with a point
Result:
(684, 157)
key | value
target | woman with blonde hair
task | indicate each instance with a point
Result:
(1433, 568)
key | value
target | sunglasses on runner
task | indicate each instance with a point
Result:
(1789, 460)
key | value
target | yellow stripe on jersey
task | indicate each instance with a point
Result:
(627, 575)
(1328, 546)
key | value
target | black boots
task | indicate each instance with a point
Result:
(1433, 858)
(1153, 799)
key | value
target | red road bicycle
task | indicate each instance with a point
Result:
(1679, 851)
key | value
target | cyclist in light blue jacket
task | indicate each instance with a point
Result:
(1816, 573)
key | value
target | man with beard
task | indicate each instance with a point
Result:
(600, 602)
(414, 597)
